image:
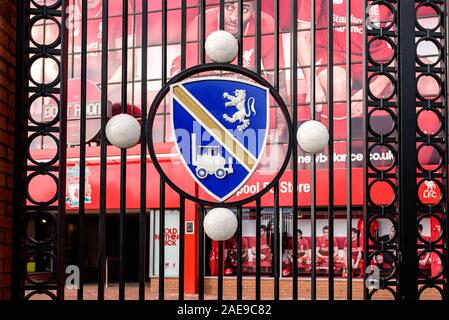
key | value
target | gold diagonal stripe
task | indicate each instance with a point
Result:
(214, 127)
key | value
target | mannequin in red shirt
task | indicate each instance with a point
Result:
(231, 254)
(356, 251)
(265, 250)
(322, 248)
(303, 255)
(303, 250)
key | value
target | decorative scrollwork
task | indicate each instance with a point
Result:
(382, 251)
(40, 256)
(431, 68)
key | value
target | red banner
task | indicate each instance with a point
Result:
(41, 190)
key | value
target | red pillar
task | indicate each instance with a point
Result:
(191, 251)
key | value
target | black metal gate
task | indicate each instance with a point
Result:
(406, 26)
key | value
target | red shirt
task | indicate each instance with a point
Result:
(94, 38)
(303, 246)
(232, 243)
(323, 245)
(354, 247)
(249, 54)
(339, 19)
(264, 246)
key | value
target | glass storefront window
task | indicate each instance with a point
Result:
(248, 247)
(171, 239)
(304, 263)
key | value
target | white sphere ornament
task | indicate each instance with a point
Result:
(123, 131)
(221, 46)
(312, 136)
(220, 224)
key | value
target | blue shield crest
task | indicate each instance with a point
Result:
(220, 128)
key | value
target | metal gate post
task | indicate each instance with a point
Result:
(31, 88)
(407, 258)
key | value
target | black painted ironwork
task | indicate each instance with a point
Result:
(373, 245)
(103, 154)
(419, 282)
(348, 248)
(403, 32)
(143, 237)
(28, 246)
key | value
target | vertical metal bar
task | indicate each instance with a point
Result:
(240, 32)
(276, 45)
(183, 33)
(446, 160)
(239, 254)
(72, 41)
(220, 271)
(201, 254)
(20, 137)
(133, 54)
(330, 102)
(258, 31)
(44, 37)
(62, 156)
(258, 213)
(276, 250)
(365, 147)
(313, 178)
(164, 42)
(181, 198)
(276, 85)
(82, 162)
(181, 247)
(124, 98)
(294, 98)
(222, 14)
(162, 182)
(103, 150)
(143, 156)
(408, 272)
(162, 240)
(122, 231)
(348, 154)
(202, 31)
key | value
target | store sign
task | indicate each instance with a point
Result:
(171, 244)
(72, 189)
(93, 111)
(220, 128)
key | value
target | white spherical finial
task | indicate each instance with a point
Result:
(312, 136)
(123, 131)
(221, 46)
(220, 224)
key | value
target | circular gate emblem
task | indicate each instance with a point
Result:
(220, 128)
